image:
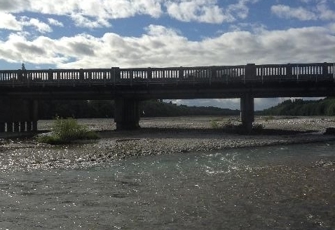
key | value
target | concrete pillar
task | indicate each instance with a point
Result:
(127, 114)
(247, 112)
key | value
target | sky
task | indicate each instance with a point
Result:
(47, 34)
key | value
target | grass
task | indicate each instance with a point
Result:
(66, 131)
(215, 124)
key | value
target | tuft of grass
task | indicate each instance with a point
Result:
(66, 131)
(214, 124)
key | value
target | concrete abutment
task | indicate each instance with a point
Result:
(18, 115)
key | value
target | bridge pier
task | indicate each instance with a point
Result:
(127, 114)
(247, 114)
(18, 115)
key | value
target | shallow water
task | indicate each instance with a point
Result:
(281, 187)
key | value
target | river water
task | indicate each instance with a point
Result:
(280, 187)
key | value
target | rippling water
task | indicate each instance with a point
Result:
(282, 187)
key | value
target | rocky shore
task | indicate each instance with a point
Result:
(159, 136)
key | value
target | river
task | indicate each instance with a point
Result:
(279, 187)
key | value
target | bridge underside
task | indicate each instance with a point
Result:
(18, 115)
(19, 111)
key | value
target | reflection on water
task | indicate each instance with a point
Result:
(282, 187)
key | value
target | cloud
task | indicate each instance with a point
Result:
(9, 22)
(36, 23)
(84, 21)
(55, 22)
(88, 13)
(160, 46)
(13, 5)
(207, 11)
(98, 13)
(198, 10)
(325, 12)
(320, 11)
(289, 12)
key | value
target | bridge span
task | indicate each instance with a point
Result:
(20, 90)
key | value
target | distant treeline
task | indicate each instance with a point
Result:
(105, 109)
(324, 107)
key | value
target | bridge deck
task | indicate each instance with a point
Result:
(165, 82)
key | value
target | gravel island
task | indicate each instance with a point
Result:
(159, 136)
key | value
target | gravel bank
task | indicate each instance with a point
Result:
(159, 136)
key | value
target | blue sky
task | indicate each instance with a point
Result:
(158, 33)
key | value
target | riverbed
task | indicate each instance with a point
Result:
(192, 178)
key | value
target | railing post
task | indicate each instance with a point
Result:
(181, 72)
(213, 72)
(250, 72)
(131, 73)
(81, 75)
(289, 70)
(297, 72)
(116, 74)
(50, 75)
(149, 72)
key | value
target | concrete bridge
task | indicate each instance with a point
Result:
(20, 90)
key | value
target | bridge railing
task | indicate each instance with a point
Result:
(296, 72)
(243, 74)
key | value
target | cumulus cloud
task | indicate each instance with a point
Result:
(198, 10)
(9, 22)
(36, 23)
(98, 13)
(324, 12)
(318, 11)
(160, 46)
(208, 11)
(55, 22)
(289, 12)
(13, 5)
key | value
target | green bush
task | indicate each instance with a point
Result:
(66, 131)
(215, 124)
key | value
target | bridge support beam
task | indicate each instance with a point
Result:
(18, 115)
(247, 112)
(127, 113)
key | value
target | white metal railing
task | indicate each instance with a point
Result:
(224, 74)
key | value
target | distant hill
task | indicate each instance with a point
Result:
(324, 107)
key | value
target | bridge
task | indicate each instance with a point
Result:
(20, 90)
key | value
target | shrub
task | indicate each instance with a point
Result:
(214, 124)
(66, 131)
